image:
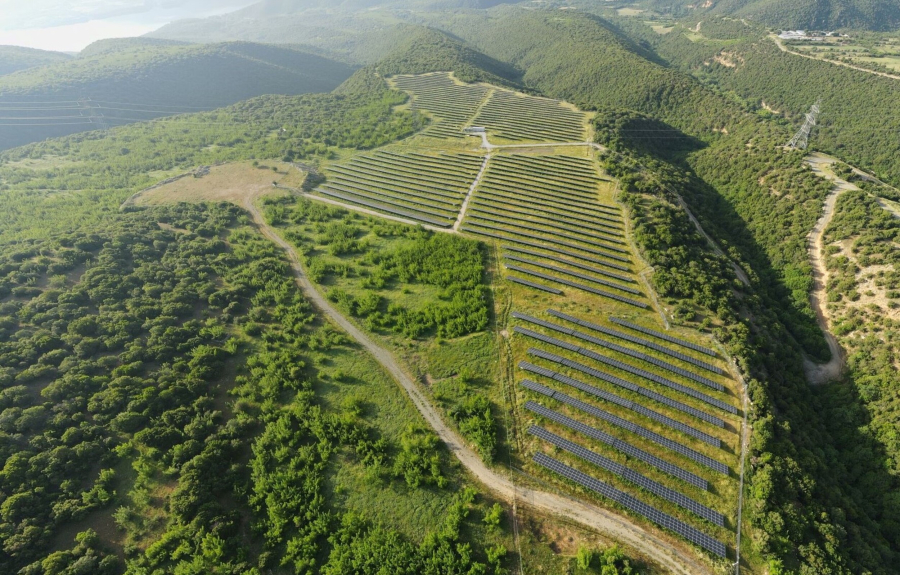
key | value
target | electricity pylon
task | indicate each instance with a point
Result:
(801, 138)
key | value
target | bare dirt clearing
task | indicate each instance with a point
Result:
(228, 182)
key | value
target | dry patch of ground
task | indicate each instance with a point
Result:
(228, 182)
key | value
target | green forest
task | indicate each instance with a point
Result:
(170, 403)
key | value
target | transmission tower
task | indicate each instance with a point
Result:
(801, 138)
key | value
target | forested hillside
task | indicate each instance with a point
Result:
(15, 58)
(117, 82)
(797, 14)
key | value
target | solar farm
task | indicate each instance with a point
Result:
(424, 188)
(608, 404)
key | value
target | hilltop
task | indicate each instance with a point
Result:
(15, 58)
(119, 81)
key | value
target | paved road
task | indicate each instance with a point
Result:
(673, 558)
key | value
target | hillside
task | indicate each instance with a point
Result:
(117, 82)
(15, 58)
(881, 15)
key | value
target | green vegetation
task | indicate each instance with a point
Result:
(137, 80)
(15, 58)
(403, 283)
(798, 14)
(81, 178)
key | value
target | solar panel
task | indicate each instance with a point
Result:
(618, 445)
(549, 289)
(484, 215)
(630, 475)
(548, 248)
(542, 238)
(629, 368)
(628, 385)
(569, 263)
(629, 426)
(656, 516)
(624, 350)
(622, 402)
(664, 336)
(579, 275)
(639, 341)
(596, 291)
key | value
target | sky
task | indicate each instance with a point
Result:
(70, 25)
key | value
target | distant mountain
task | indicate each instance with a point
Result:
(121, 81)
(15, 58)
(881, 15)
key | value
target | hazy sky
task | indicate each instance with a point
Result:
(70, 25)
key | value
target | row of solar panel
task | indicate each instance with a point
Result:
(665, 336)
(532, 211)
(621, 349)
(628, 426)
(630, 369)
(617, 444)
(628, 474)
(579, 275)
(542, 238)
(519, 203)
(570, 263)
(527, 283)
(508, 195)
(491, 214)
(515, 191)
(658, 517)
(553, 249)
(677, 405)
(638, 341)
(575, 285)
(622, 402)
(483, 215)
(386, 207)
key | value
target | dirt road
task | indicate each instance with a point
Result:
(672, 558)
(835, 62)
(816, 373)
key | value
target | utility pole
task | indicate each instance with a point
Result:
(801, 138)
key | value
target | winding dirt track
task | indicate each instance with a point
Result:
(672, 558)
(819, 374)
(835, 62)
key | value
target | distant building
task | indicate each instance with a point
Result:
(474, 130)
(793, 35)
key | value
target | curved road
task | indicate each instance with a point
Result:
(674, 559)
(821, 373)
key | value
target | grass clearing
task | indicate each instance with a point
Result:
(228, 182)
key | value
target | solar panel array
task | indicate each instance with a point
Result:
(693, 535)
(557, 230)
(427, 188)
(569, 263)
(516, 232)
(630, 475)
(534, 285)
(579, 275)
(677, 405)
(518, 117)
(621, 349)
(622, 402)
(576, 285)
(665, 336)
(629, 426)
(615, 443)
(451, 103)
(638, 341)
(625, 367)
